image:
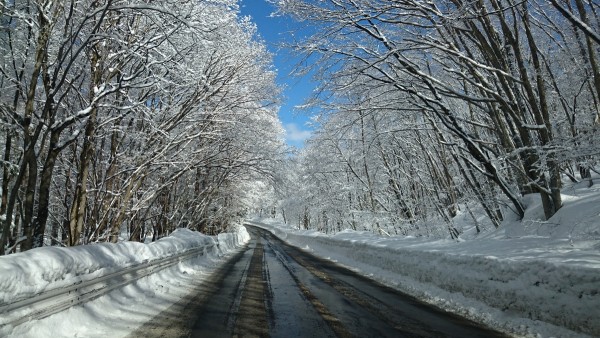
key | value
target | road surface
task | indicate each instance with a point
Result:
(271, 289)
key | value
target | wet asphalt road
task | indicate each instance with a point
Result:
(271, 289)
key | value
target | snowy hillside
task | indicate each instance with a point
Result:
(528, 278)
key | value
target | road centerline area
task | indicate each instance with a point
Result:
(272, 289)
(252, 314)
(296, 312)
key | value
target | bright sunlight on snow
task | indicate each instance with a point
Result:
(123, 310)
(527, 279)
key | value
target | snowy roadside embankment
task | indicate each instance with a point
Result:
(30, 273)
(526, 286)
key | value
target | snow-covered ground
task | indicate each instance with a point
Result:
(119, 312)
(529, 278)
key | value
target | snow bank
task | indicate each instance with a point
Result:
(119, 312)
(230, 241)
(29, 273)
(526, 286)
(532, 277)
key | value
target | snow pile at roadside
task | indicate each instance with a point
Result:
(26, 274)
(530, 285)
(231, 241)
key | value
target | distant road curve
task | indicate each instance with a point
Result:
(271, 289)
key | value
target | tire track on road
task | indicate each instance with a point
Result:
(252, 314)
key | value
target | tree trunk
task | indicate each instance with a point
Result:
(133, 185)
(78, 207)
(39, 225)
(29, 162)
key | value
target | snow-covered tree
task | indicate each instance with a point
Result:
(490, 96)
(129, 118)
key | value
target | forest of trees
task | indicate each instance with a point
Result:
(129, 118)
(125, 119)
(430, 108)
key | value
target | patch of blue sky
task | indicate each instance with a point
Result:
(275, 31)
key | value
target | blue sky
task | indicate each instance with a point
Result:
(275, 30)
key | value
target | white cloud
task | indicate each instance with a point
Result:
(295, 134)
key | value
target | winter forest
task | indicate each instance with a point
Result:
(124, 120)
(129, 117)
